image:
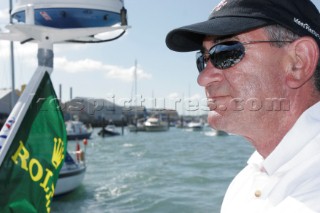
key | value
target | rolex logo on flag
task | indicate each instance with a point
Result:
(58, 152)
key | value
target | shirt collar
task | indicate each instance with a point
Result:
(256, 161)
(305, 128)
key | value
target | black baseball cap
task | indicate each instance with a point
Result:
(231, 17)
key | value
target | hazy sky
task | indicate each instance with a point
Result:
(106, 69)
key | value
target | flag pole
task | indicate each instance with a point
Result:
(12, 62)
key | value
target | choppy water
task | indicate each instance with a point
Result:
(174, 171)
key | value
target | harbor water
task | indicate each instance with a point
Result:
(163, 172)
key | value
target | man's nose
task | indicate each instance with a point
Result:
(209, 75)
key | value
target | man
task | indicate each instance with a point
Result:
(258, 64)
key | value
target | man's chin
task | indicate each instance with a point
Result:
(214, 118)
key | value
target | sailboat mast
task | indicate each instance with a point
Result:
(12, 61)
(135, 121)
(135, 79)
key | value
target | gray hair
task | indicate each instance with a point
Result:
(279, 33)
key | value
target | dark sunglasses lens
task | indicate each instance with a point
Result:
(226, 55)
(200, 61)
(222, 56)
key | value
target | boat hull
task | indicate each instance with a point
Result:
(79, 136)
(156, 128)
(134, 128)
(196, 128)
(69, 180)
(106, 133)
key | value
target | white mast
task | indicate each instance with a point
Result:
(135, 80)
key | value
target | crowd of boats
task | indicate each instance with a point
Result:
(76, 130)
(73, 171)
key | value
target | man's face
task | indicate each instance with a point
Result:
(239, 97)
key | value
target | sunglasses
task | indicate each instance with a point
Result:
(225, 54)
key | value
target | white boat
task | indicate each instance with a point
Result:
(154, 124)
(76, 130)
(195, 126)
(71, 175)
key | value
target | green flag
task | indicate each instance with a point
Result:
(31, 164)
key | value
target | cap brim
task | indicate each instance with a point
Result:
(189, 38)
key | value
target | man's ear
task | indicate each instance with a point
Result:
(304, 54)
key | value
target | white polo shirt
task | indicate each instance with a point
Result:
(288, 180)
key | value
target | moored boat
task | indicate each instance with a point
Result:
(76, 130)
(109, 130)
(195, 126)
(154, 124)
